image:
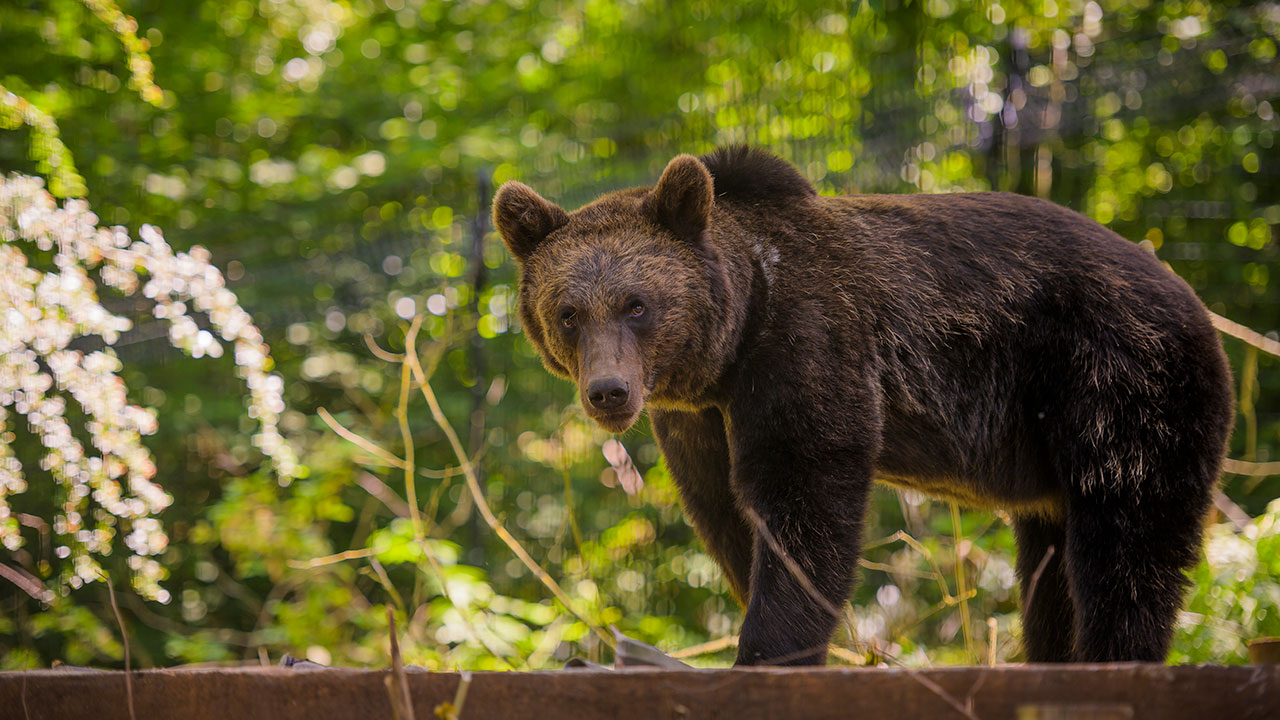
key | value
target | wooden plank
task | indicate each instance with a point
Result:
(1154, 692)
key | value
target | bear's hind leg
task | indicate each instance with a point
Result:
(1126, 555)
(1048, 616)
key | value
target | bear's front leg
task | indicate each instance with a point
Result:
(805, 475)
(697, 453)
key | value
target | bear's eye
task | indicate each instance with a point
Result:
(569, 319)
(637, 309)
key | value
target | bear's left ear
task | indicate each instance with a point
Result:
(524, 219)
(683, 198)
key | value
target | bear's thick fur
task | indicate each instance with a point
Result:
(988, 348)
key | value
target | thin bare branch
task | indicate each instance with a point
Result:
(792, 567)
(357, 554)
(891, 570)
(1244, 467)
(397, 681)
(928, 556)
(706, 648)
(402, 418)
(961, 581)
(1035, 576)
(26, 582)
(1240, 332)
(1233, 512)
(965, 709)
(380, 490)
(124, 639)
(366, 445)
(444, 474)
(33, 521)
(453, 710)
(993, 634)
(381, 354)
(386, 583)
(473, 484)
(796, 655)
(848, 656)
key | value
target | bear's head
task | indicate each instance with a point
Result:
(617, 296)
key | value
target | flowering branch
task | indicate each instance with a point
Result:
(111, 484)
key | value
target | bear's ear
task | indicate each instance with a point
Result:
(524, 219)
(683, 198)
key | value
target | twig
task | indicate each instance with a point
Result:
(1238, 517)
(973, 690)
(124, 639)
(552, 635)
(401, 508)
(946, 697)
(937, 608)
(402, 417)
(445, 473)
(25, 582)
(891, 570)
(796, 571)
(453, 710)
(415, 515)
(33, 521)
(386, 584)
(1244, 467)
(379, 353)
(1247, 408)
(706, 648)
(366, 445)
(1240, 332)
(375, 487)
(993, 629)
(801, 577)
(807, 584)
(957, 533)
(796, 655)
(965, 709)
(397, 682)
(357, 554)
(473, 484)
(848, 656)
(1035, 576)
(938, 575)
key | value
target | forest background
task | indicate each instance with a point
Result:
(337, 158)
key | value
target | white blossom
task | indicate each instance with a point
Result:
(112, 484)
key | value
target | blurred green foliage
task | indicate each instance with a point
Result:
(335, 157)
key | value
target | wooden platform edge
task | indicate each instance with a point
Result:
(1027, 692)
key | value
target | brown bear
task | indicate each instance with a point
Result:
(988, 348)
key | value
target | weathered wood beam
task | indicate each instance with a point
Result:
(1134, 691)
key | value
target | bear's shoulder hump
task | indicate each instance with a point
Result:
(753, 174)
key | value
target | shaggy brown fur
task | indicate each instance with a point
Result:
(988, 348)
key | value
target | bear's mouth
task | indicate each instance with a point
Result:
(618, 419)
(618, 422)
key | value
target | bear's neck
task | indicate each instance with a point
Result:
(731, 316)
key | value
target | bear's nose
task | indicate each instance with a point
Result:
(607, 393)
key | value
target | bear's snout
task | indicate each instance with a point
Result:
(608, 393)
